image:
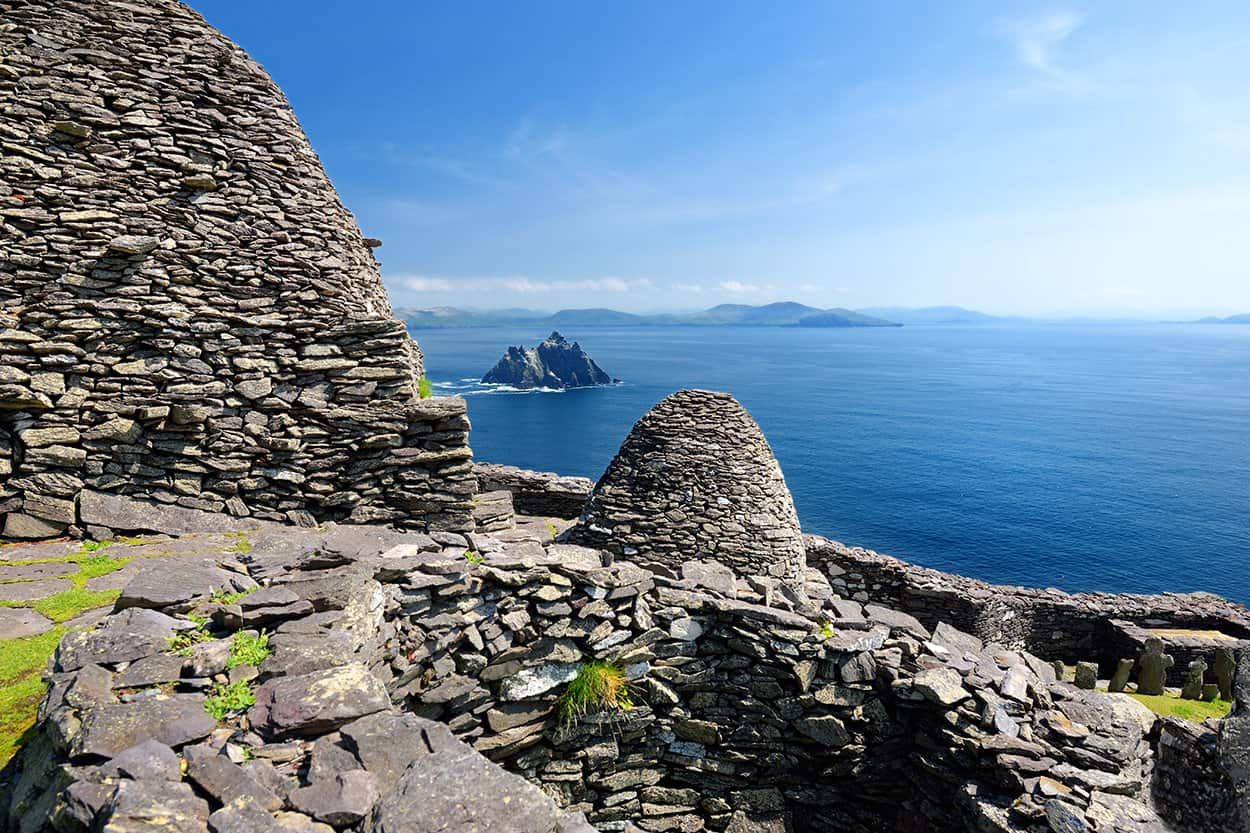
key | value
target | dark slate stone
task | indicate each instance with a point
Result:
(312, 704)
(342, 801)
(152, 806)
(174, 720)
(147, 760)
(122, 512)
(131, 635)
(225, 780)
(386, 743)
(243, 815)
(456, 789)
(171, 583)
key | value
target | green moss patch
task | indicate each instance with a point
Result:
(65, 606)
(22, 662)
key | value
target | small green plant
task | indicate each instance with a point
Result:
(472, 557)
(95, 546)
(242, 544)
(551, 530)
(223, 597)
(598, 687)
(184, 642)
(228, 699)
(246, 649)
(827, 631)
(424, 390)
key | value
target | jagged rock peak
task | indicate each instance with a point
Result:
(696, 479)
(553, 364)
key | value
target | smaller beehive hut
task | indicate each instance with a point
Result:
(696, 480)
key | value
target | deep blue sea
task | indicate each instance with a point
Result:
(1082, 457)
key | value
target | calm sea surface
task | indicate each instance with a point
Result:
(1109, 458)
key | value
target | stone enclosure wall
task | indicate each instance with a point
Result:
(1051, 623)
(188, 314)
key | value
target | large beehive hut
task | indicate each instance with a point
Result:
(696, 479)
(188, 314)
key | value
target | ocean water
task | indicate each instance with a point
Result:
(1111, 458)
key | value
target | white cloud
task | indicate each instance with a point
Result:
(618, 285)
(519, 284)
(740, 288)
(420, 284)
(1036, 39)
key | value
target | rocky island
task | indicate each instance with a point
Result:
(253, 583)
(553, 364)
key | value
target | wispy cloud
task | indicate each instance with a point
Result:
(1037, 39)
(519, 284)
(740, 288)
(419, 284)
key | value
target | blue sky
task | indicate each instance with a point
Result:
(1012, 157)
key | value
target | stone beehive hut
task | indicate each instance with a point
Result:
(188, 314)
(696, 479)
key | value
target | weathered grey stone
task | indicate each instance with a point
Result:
(1153, 665)
(341, 802)
(310, 704)
(173, 720)
(1119, 679)
(456, 789)
(1086, 675)
(1224, 668)
(825, 729)
(147, 760)
(1192, 690)
(152, 806)
(940, 685)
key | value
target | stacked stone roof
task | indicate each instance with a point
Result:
(696, 479)
(188, 314)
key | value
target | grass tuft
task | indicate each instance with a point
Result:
(472, 557)
(424, 389)
(225, 598)
(183, 642)
(246, 649)
(95, 546)
(598, 687)
(230, 699)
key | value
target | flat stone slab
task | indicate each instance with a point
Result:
(316, 703)
(16, 622)
(455, 789)
(166, 582)
(111, 729)
(35, 552)
(126, 513)
(35, 570)
(29, 591)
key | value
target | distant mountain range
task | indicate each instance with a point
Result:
(783, 314)
(1232, 319)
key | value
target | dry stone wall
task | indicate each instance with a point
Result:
(1051, 623)
(695, 478)
(188, 314)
